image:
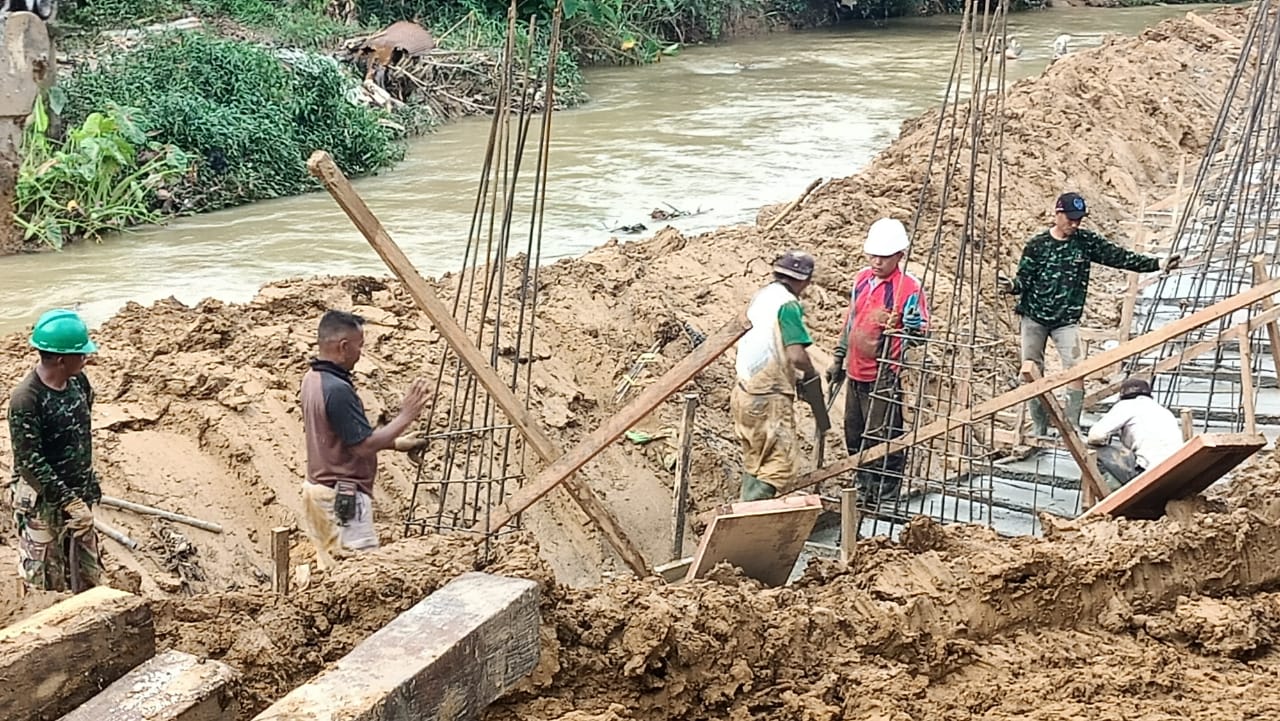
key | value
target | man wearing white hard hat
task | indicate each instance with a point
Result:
(886, 303)
(772, 364)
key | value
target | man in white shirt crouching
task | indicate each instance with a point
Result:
(1148, 434)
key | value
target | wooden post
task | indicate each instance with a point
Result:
(1091, 483)
(680, 498)
(1246, 384)
(280, 555)
(1273, 329)
(850, 520)
(1091, 460)
(1188, 424)
(323, 168)
(1023, 393)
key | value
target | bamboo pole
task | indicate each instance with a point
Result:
(1246, 385)
(161, 513)
(113, 534)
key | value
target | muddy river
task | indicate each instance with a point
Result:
(725, 129)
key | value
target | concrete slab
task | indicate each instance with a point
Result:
(57, 659)
(1201, 462)
(763, 538)
(445, 659)
(173, 686)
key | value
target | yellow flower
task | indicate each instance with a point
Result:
(72, 205)
(628, 44)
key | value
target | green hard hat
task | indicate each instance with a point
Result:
(62, 331)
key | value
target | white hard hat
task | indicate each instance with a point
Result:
(886, 237)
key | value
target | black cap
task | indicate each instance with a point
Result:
(1072, 205)
(1134, 387)
(794, 264)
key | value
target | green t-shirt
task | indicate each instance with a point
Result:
(791, 324)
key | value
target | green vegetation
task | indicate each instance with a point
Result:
(105, 176)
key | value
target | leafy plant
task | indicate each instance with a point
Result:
(105, 176)
(250, 115)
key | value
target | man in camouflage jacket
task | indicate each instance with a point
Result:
(54, 484)
(1051, 285)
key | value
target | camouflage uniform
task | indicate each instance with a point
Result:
(53, 465)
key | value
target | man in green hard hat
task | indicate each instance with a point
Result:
(54, 485)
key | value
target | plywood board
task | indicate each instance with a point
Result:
(763, 538)
(1196, 466)
(61, 657)
(447, 658)
(173, 686)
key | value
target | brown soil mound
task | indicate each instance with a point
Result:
(197, 413)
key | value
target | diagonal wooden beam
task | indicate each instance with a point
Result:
(323, 168)
(1070, 435)
(1024, 393)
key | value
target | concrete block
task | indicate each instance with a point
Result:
(173, 686)
(445, 659)
(59, 658)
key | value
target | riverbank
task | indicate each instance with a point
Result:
(1174, 618)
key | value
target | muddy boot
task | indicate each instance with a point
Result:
(1075, 406)
(754, 489)
(1039, 418)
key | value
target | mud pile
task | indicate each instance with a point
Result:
(1113, 620)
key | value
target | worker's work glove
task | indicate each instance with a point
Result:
(406, 444)
(835, 373)
(79, 518)
(912, 318)
(1005, 284)
(1169, 262)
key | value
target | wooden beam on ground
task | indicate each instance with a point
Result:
(323, 168)
(61, 657)
(1024, 393)
(642, 405)
(1273, 329)
(684, 461)
(1091, 482)
(1195, 467)
(447, 658)
(763, 538)
(173, 686)
(1189, 353)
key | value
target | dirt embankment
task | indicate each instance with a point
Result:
(197, 412)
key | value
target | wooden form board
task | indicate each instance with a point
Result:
(763, 538)
(445, 659)
(59, 658)
(173, 686)
(1195, 467)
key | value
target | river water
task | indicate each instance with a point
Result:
(725, 129)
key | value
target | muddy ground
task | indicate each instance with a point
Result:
(197, 412)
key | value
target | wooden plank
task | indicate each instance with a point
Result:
(173, 686)
(680, 496)
(1247, 392)
(1026, 392)
(447, 658)
(1188, 425)
(763, 538)
(642, 405)
(1195, 467)
(1193, 351)
(280, 559)
(1273, 329)
(324, 169)
(850, 519)
(1069, 433)
(59, 658)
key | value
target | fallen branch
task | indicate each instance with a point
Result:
(794, 204)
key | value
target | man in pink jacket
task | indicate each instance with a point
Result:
(886, 304)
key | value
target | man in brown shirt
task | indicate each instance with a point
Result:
(342, 447)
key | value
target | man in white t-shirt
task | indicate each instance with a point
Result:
(1148, 433)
